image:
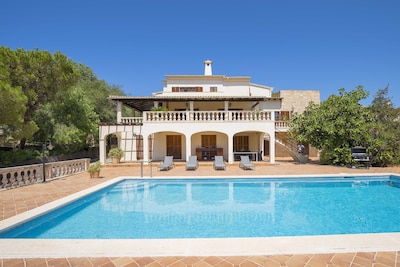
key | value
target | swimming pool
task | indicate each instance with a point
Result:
(221, 208)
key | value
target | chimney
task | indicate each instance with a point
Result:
(207, 68)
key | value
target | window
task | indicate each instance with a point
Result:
(208, 140)
(240, 143)
(187, 89)
(276, 115)
(285, 115)
(213, 89)
(282, 115)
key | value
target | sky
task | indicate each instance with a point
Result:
(286, 44)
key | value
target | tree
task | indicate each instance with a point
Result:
(71, 118)
(12, 106)
(51, 97)
(335, 126)
(74, 119)
(98, 92)
(386, 131)
(40, 75)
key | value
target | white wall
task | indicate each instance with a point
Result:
(225, 86)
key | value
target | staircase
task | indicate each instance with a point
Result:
(291, 147)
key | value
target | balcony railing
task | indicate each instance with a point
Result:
(132, 120)
(203, 116)
(283, 125)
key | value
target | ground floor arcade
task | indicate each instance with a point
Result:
(205, 144)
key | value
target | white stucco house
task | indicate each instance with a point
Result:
(204, 115)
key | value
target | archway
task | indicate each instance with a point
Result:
(111, 142)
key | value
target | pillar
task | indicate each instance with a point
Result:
(119, 112)
(271, 147)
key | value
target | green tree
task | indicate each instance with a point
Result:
(386, 131)
(98, 92)
(12, 107)
(40, 75)
(335, 126)
(70, 120)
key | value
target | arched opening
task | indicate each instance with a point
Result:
(208, 144)
(111, 142)
(248, 143)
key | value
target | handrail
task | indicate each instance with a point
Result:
(141, 167)
(291, 146)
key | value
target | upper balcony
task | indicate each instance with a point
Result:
(220, 116)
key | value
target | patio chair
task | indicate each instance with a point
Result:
(219, 163)
(167, 164)
(192, 163)
(245, 163)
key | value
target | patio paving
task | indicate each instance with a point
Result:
(18, 200)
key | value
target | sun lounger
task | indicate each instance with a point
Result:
(167, 164)
(219, 163)
(192, 163)
(245, 163)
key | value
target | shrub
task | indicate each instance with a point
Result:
(94, 167)
(116, 152)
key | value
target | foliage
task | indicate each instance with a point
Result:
(10, 157)
(98, 92)
(43, 117)
(386, 131)
(94, 167)
(12, 107)
(71, 119)
(47, 96)
(116, 152)
(335, 126)
(67, 121)
(75, 118)
(40, 75)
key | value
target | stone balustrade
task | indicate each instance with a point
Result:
(131, 120)
(30, 174)
(204, 116)
(282, 125)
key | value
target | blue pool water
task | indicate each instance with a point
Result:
(225, 208)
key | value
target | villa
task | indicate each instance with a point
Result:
(206, 116)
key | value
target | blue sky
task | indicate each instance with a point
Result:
(287, 44)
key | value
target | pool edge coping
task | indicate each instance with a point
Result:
(53, 248)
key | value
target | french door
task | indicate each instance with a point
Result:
(174, 146)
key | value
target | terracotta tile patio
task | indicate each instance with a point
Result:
(16, 201)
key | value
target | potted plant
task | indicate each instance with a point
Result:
(94, 169)
(116, 154)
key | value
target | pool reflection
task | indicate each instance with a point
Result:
(193, 199)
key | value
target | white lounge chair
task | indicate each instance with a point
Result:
(167, 164)
(219, 163)
(192, 163)
(245, 163)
